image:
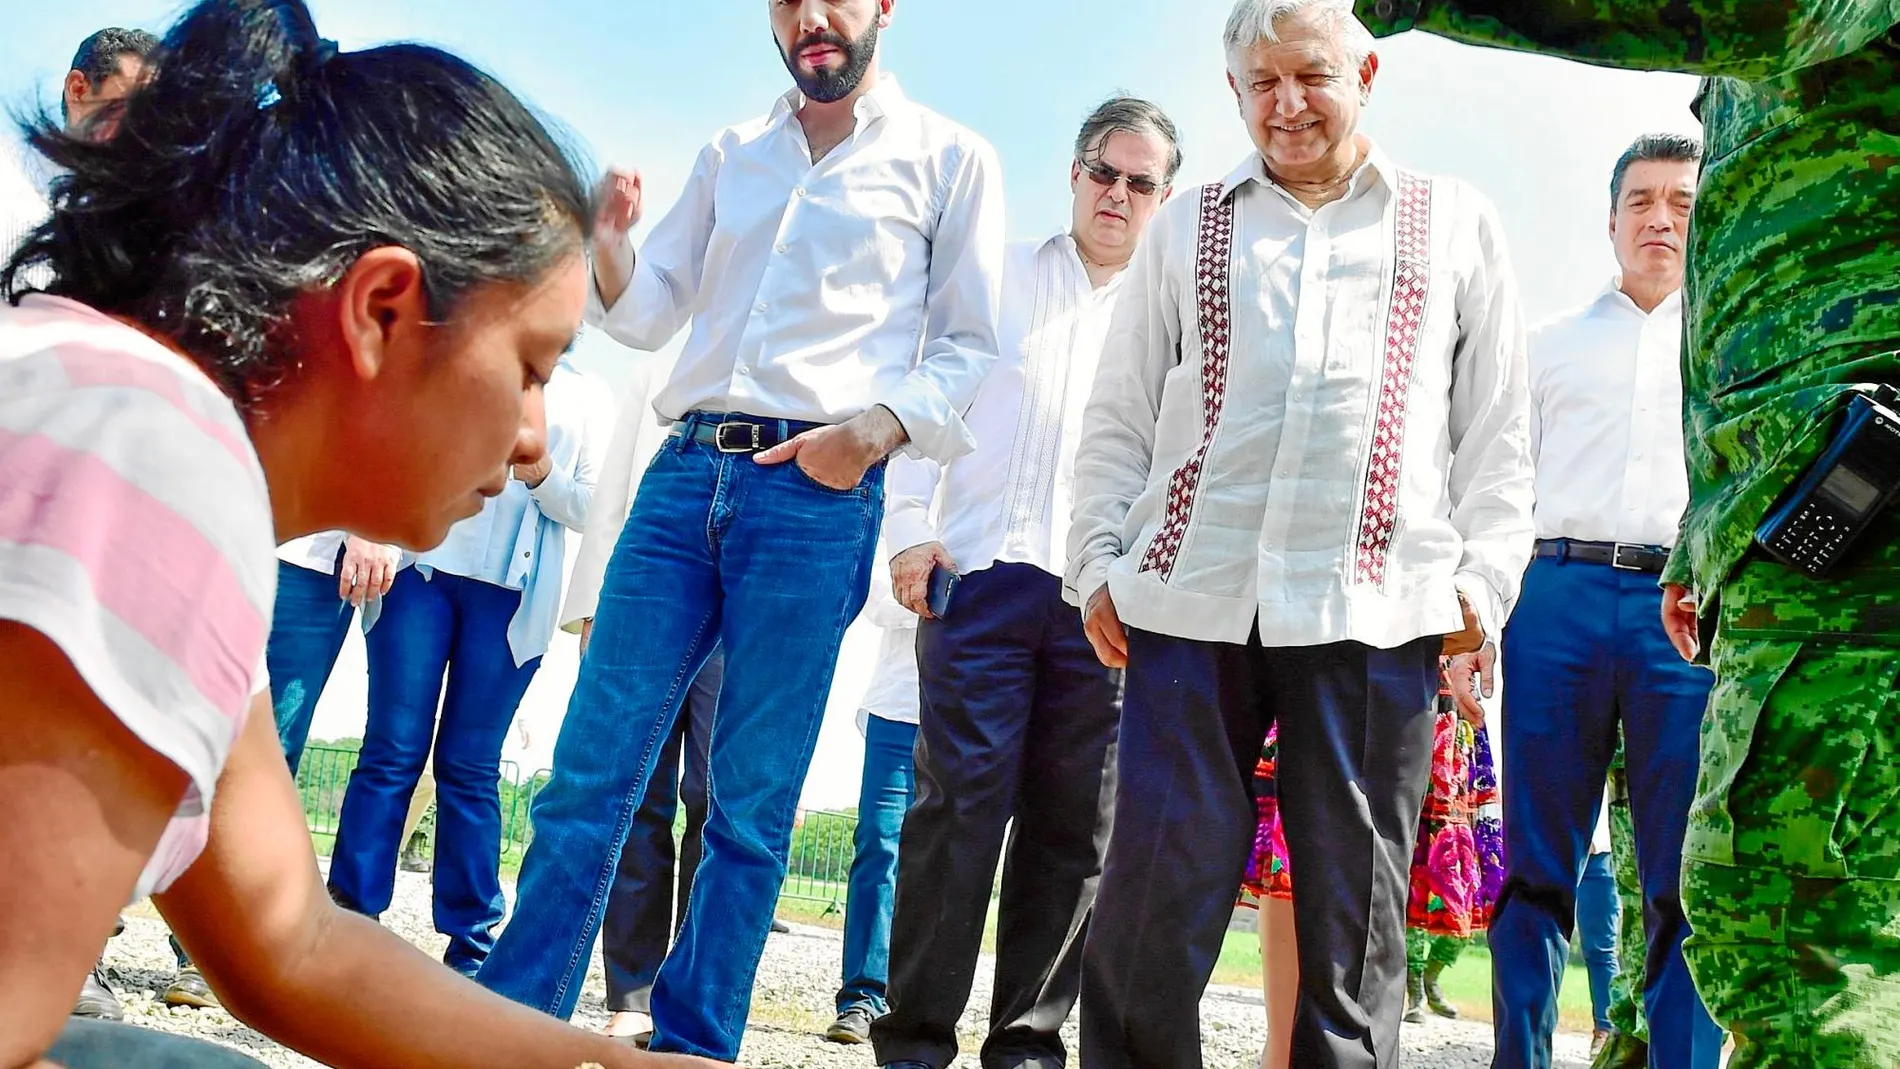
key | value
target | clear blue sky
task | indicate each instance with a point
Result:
(647, 82)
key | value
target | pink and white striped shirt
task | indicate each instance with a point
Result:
(136, 534)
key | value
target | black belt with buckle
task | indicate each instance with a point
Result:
(736, 433)
(1625, 556)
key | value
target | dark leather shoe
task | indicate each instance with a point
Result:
(96, 1000)
(190, 989)
(780, 926)
(853, 1026)
(907, 1064)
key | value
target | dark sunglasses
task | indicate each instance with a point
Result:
(1106, 177)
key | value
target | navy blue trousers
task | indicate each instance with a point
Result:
(1585, 650)
(1018, 725)
(1355, 757)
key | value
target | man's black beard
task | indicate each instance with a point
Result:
(826, 86)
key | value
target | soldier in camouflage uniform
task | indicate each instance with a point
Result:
(1792, 866)
(1628, 1045)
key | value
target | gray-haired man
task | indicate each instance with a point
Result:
(1304, 475)
(1018, 718)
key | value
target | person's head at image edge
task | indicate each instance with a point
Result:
(376, 255)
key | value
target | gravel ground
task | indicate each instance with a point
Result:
(791, 1004)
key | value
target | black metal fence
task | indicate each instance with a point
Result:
(818, 868)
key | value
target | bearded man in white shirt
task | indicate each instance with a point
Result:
(1585, 651)
(1304, 476)
(1018, 715)
(840, 262)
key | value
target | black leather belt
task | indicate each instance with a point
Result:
(1627, 556)
(738, 433)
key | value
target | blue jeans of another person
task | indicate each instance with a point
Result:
(648, 901)
(308, 625)
(431, 627)
(884, 796)
(1585, 650)
(1597, 914)
(89, 1044)
(718, 550)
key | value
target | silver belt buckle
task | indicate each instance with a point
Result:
(1616, 556)
(753, 443)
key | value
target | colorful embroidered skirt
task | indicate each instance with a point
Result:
(1458, 864)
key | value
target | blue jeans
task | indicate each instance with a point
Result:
(88, 1044)
(884, 796)
(718, 549)
(1585, 650)
(647, 904)
(456, 626)
(308, 625)
(1597, 913)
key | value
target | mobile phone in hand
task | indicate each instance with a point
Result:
(943, 584)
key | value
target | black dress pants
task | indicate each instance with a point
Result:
(1018, 728)
(1354, 761)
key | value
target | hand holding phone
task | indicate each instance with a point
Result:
(943, 584)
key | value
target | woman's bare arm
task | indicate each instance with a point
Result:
(336, 986)
(86, 805)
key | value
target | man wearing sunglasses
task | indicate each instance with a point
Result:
(1304, 475)
(1018, 718)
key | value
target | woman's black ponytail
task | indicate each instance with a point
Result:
(258, 162)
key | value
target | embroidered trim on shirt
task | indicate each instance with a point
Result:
(1379, 514)
(1213, 265)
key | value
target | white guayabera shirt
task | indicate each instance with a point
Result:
(1011, 499)
(1312, 422)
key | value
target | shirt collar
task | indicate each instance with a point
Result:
(1613, 293)
(1065, 244)
(1376, 166)
(877, 102)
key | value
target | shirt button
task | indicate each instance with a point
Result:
(783, 249)
(759, 307)
(1285, 474)
(527, 553)
(799, 192)
(745, 370)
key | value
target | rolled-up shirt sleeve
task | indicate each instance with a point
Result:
(668, 271)
(1491, 480)
(963, 293)
(1118, 425)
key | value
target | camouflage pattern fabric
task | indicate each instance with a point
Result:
(1422, 948)
(1791, 875)
(1792, 297)
(1626, 991)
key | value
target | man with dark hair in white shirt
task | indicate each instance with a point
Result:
(1586, 651)
(839, 260)
(1018, 716)
(1304, 475)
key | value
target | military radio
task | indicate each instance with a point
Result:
(1812, 528)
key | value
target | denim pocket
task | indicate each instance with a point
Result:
(862, 489)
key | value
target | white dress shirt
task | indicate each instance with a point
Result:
(819, 290)
(1010, 500)
(1606, 422)
(892, 693)
(1323, 433)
